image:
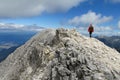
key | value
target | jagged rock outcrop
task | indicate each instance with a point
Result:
(61, 55)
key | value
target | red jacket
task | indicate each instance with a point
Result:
(90, 29)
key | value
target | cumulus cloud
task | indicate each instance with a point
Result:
(90, 17)
(11, 27)
(26, 8)
(98, 30)
(103, 28)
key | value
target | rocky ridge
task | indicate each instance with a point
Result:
(62, 54)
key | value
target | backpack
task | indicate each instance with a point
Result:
(91, 29)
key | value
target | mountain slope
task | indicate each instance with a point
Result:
(62, 55)
(9, 41)
(5, 52)
(112, 41)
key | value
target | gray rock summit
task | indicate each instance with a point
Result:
(61, 54)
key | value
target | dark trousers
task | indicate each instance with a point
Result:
(90, 34)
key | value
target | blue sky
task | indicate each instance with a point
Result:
(32, 15)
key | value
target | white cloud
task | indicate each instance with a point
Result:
(90, 17)
(98, 30)
(118, 24)
(26, 8)
(103, 28)
(7, 45)
(11, 27)
(114, 1)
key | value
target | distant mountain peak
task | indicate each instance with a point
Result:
(62, 54)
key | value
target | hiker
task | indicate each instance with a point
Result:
(90, 30)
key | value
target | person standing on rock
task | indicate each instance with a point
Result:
(90, 30)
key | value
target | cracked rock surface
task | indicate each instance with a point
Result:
(61, 54)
